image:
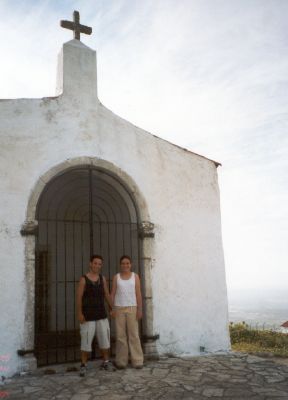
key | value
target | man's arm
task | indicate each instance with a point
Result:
(138, 297)
(80, 291)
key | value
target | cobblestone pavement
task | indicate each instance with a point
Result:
(229, 376)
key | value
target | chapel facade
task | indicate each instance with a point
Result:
(77, 179)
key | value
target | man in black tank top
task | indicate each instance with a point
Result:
(91, 295)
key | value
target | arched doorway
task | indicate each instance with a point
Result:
(81, 211)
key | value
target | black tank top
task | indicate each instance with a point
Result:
(93, 307)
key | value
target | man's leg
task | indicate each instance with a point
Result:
(103, 339)
(105, 354)
(87, 332)
(84, 357)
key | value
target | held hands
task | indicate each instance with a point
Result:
(81, 318)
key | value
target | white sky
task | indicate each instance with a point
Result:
(208, 75)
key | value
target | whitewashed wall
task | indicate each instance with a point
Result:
(180, 189)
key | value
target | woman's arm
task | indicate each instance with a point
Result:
(138, 297)
(114, 288)
(113, 292)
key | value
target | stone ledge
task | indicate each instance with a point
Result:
(146, 230)
(29, 228)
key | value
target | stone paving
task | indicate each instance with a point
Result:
(228, 376)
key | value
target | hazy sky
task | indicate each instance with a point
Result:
(209, 75)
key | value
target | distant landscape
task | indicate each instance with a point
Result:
(265, 308)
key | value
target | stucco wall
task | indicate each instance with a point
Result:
(179, 187)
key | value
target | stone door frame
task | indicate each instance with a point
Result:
(29, 230)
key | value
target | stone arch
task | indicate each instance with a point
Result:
(29, 231)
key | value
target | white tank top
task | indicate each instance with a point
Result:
(125, 293)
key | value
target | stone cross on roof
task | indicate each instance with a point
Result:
(76, 26)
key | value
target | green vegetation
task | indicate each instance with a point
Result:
(252, 340)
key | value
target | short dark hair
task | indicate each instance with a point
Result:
(96, 256)
(125, 256)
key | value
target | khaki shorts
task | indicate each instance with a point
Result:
(88, 330)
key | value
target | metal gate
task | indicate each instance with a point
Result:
(81, 212)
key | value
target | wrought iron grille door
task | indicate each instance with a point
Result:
(81, 212)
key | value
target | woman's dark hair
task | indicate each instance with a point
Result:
(96, 256)
(123, 257)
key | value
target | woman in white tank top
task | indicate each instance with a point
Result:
(127, 306)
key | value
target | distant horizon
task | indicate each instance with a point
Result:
(263, 308)
(267, 299)
(258, 292)
(258, 288)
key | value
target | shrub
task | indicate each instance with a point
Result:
(245, 337)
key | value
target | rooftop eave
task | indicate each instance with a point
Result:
(217, 164)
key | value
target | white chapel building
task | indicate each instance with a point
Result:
(77, 179)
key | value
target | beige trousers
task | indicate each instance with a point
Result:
(127, 337)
